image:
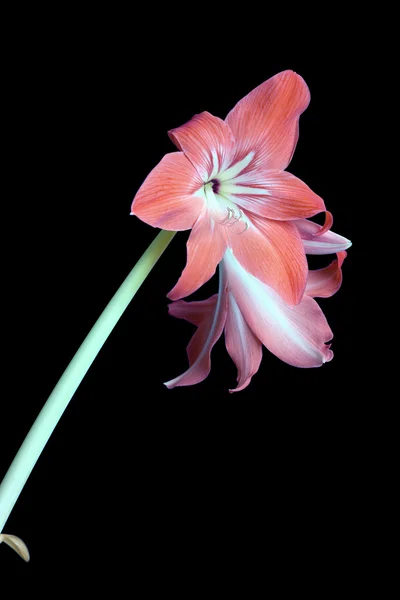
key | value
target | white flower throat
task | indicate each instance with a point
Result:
(220, 190)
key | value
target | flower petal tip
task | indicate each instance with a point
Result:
(328, 355)
(16, 544)
(341, 256)
(241, 387)
(174, 297)
(349, 244)
(327, 225)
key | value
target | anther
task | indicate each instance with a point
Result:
(228, 218)
(246, 226)
(236, 219)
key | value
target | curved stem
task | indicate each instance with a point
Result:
(43, 427)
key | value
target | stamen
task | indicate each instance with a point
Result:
(228, 218)
(235, 219)
(232, 220)
(246, 226)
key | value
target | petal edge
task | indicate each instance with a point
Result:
(167, 198)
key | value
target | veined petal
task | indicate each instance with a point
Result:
(208, 143)
(315, 243)
(167, 198)
(194, 312)
(273, 252)
(210, 318)
(266, 120)
(243, 347)
(295, 334)
(205, 248)
(275, 195)
(323, 283)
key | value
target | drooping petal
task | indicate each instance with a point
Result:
(314, 243)
(295, 334)
(194, 312)
(266, 120)
(205, 248)
(273, 252)
(242, 345)
(275, 195)
(207, 142)
(209, 316)
(323, 283)
(167, 198)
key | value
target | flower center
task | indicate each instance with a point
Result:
(223, 208)
(220, 193)
(216, 184)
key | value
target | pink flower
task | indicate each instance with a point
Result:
(252, 314)
(228, 183)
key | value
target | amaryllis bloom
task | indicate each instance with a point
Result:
(252, 314)
(229, 185)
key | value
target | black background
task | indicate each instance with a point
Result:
(140, 483)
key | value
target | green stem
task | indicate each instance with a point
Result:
(58, 400)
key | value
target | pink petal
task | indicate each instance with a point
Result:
(166, 198)
(328, 223)
(295, 334)
(242, 345)
(208, 143)
(315, 243)
(205, 248)
(266, 120)
(323, 283)
(275, 195)
(194, 312)
(210, 318)
(273, 252)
